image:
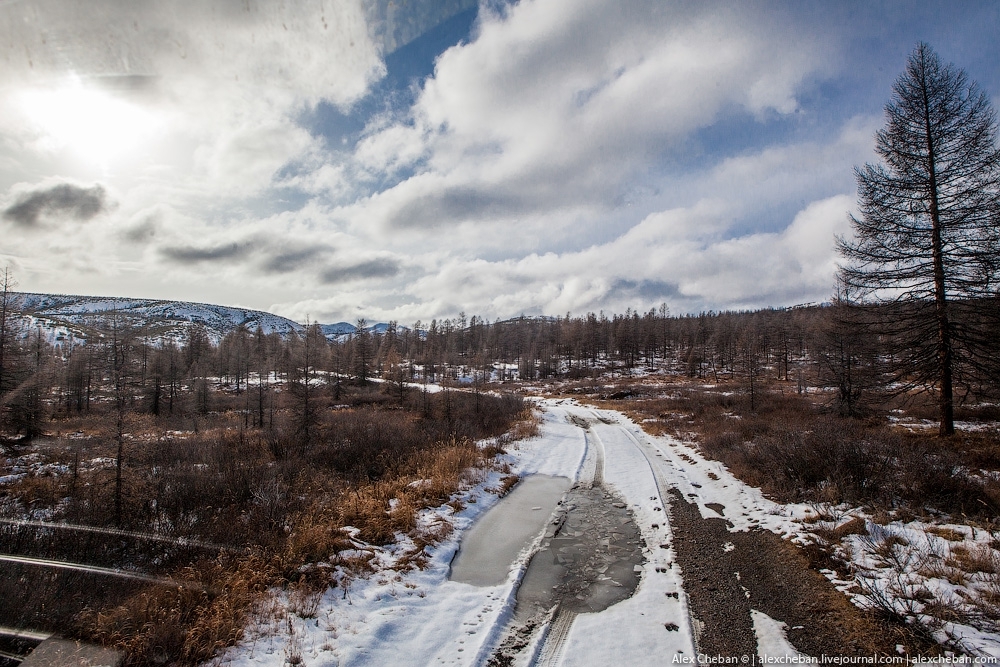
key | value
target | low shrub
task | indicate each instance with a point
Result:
(796, 451)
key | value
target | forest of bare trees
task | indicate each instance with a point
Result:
(813, 347)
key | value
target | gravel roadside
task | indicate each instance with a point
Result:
(726, 574)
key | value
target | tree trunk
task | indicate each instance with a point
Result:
(945, 397)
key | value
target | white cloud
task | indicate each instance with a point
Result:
(795, 265)
(526, 137)
(677, 256)
(562, 103)
(544, 168)
(227, 81)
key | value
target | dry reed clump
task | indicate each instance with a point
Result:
(949, 534)
(979, 559)
(380, 510)
(305, 595)
(506, 484)
(526, 426)
(314, 537)
(986, 604)
(41, 491)
(366, 507)
(416, 556)
(835, 534)
(938, 568)
(187, 624)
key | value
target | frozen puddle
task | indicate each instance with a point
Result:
(494, 542)
(588, 561)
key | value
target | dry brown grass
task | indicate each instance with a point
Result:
(939, 568)
(977, 559)
(277, 503)
(506, 484)
(855, 526)
(526, 426)
(949, 534)
(184, 624)
(886, 547)
(36, 491)
(314, 536)
(305, 595)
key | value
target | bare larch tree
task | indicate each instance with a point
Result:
(925, 245)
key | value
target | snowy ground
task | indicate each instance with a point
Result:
(422, 618)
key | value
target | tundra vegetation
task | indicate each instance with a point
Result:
(189, 480)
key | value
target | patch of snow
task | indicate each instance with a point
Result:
(773, 646)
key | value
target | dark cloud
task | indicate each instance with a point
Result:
(649, 290)
(193, 255)
(460, 203)
(375, 268)
(144, 230)
(291, 260)
(62, 200)
(541, 189)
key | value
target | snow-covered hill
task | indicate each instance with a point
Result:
(339, 329)
(63, 316)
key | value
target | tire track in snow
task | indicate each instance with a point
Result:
(663, 488)
(555, 639)
(593, 439)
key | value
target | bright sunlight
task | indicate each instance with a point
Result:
(94, 125)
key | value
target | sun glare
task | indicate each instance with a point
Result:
(94, 125)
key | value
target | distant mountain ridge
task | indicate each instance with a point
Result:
(66, 316)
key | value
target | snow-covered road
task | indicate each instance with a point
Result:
(423, 618)
(653, 625)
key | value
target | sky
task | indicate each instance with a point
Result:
(408, 160)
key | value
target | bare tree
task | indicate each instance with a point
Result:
(394, 375)
(927, 239)
(844, 360)
(308, 357)
(7, 285)
(362, 352)
(749, 363)
(260, 357)
(122, 342)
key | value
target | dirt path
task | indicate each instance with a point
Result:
(726, 574)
